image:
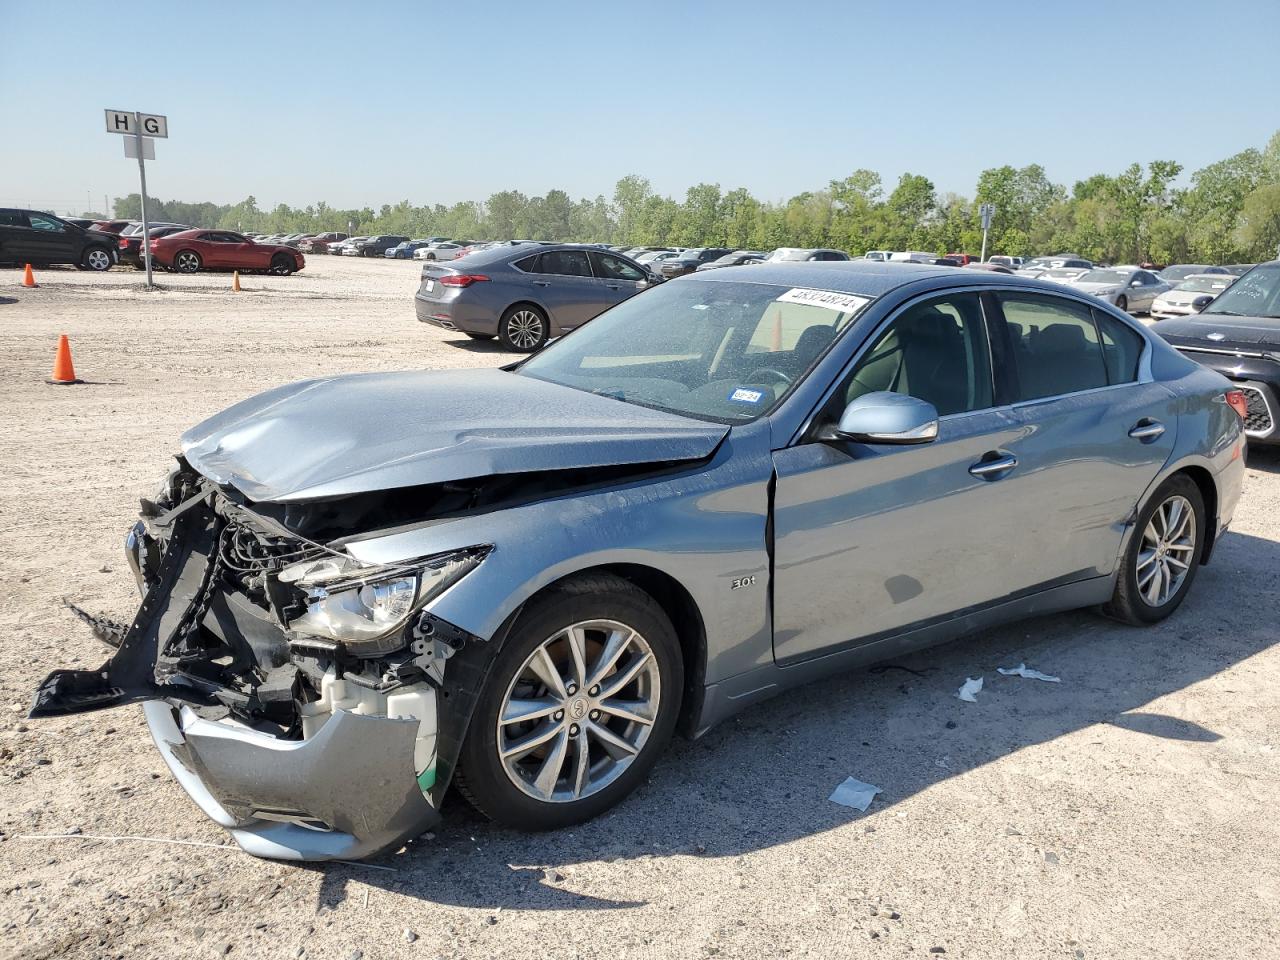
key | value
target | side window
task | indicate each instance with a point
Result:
(611, 268)
(1121, 348)
(936, 351)
(12, 218)
(48, 224)
(1055, 346)
(528, 264)
(566, 263)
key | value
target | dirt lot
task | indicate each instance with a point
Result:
(1129, 811)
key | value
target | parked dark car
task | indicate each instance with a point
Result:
(690, 260)
(30, 236)
(84, 223)
(1238, 334)
(379, 245)
(735, 259)
(1177, 272)
(191, 251)
(130, 245)
(320, 242)
(112, 226)
(524, 297)
(358, 590)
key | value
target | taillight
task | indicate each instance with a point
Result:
(1237, 401)
(462, 279)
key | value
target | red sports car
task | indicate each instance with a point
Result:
(193, 250)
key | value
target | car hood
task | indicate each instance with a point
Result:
(355, 434)
(1240, 330)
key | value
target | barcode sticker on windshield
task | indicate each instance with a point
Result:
(844, 302)
(747, 396)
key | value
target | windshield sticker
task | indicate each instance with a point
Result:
(747, 396)
(844, 302)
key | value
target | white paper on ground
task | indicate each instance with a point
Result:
(854, 793)
(969, 692)
(1021, 671)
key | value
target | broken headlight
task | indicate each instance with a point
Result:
(365, 607)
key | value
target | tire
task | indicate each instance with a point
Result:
(618, 760)
(1122, 303)
(187, 261)
(1141, 596)
(523, 328)
(97, 259)
(480, 336)
(281, 265)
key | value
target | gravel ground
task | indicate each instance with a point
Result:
(1129, 811)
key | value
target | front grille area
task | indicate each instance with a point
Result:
(1258, 420)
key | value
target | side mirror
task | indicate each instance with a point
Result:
(1136, 283)
(885, 417)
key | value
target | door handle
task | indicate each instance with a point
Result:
(542, 283)
(614, 286)
(1146, 430)
(994, 466)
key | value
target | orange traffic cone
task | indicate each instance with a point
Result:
(64, 373)
(235, 281)
(28, 278)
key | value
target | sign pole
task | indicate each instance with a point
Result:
(142, 183)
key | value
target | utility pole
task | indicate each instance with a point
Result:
(142, 181)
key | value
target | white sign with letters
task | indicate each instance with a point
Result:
(150, 124)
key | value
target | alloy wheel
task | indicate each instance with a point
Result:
(579, 711)
(1167, 551)
(524, 329)
(187, 262)
(98, 260)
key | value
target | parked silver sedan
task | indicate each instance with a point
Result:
(525, 297)
(360, 589)
(1132, 289)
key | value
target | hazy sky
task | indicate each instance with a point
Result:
(361, 103)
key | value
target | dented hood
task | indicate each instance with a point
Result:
(356, 434)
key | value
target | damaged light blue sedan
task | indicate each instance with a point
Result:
(360, 590)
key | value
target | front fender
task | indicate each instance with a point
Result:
(704, 526)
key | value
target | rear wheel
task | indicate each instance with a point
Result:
(524, 328)
(1163, 554)
(187, 261)
(582, 699)
(281, 265)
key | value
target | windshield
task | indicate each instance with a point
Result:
(1256, 294)
(1174, 274)
(1106, 276)
(727, 352)
(1205, 284)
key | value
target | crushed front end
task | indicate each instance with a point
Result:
(310, 704)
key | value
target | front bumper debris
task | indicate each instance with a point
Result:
(346, 793)
(300, 749)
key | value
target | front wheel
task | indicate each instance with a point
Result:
(1122, 303)
(581, 701)
(187, 261)
(523, 328)
(96, 259)
(281, 265)
(1163, 554)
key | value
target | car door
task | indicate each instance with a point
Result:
(241, 253)
(1151, 287)
(872, 539)
(616, 278)
(49, 240)
(568, 290)
(212, 247)
(1095, 430)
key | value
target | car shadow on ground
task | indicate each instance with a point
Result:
(1264, 458)
(763, 778)
(493, 345)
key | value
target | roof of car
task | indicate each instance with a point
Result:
(867, 278)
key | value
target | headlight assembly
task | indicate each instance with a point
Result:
(366, 607)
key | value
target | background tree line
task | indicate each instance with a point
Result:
(1230, 212)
